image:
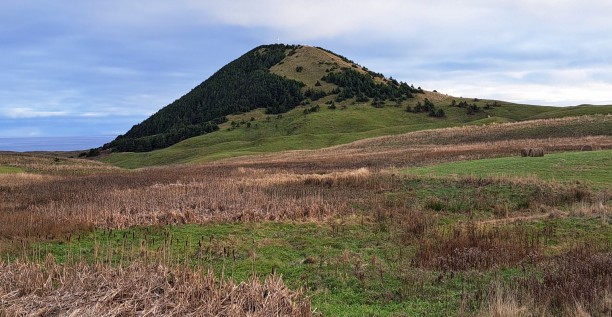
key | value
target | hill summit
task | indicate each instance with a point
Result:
(275, 77)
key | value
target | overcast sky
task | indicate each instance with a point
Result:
(96, 67)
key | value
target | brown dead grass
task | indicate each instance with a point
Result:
(469, 246)
(50, 206)
(322, 185)
(49, 289)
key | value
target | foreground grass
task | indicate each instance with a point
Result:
(378, 243)
(335, 268)
(405, 257)
(346, 269)
(593, 167)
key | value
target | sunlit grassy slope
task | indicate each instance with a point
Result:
(260, 133)
(587, 167)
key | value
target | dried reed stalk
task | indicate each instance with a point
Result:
(50, 289)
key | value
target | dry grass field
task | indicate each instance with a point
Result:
(350, 233)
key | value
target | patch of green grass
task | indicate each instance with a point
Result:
(591, 167)
(480, 199)
(292, 131)
(10, 170)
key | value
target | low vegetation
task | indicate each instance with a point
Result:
(429, 223)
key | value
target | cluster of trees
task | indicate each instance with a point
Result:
(470, 109)
(428, 107)
(363, 87)
(91, 153)
(372, 73)
(162, 140)
(240, 86)
(314, 94)
(237, 124)
(490, 105)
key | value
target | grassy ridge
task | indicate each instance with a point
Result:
(257, 133)
(588, 167)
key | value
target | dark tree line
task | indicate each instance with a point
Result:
(428, 107)
(470, 109)
(314, 94)
(158, 141)
(363, 87)
(240, 86)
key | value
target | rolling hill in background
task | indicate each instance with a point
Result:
(259, 79)
(289, 97)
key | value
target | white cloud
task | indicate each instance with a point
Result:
(20, 113)
(316, 19)
(93, 114)
(491, 86)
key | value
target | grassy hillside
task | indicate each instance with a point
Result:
(256, 133)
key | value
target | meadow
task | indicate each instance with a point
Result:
(445, 222)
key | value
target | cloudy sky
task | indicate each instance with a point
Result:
(96, 67)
